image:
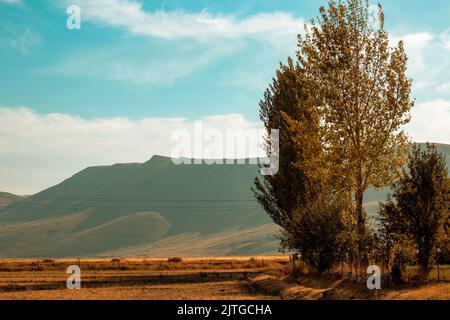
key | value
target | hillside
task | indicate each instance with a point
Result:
(151, 209)
(104, 209)
(8, 198)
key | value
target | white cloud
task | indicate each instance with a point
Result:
(444, 88)
(38, 151)
(429, 67)
(429, 62)
(415, 45)
(130, 16)
(430, 122)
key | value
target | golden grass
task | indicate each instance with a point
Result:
(192, 278)
(229, 290)
(148, 264)
(313, 287)
(259, 277)
(287, 290)
(438, 291)
(154, 259)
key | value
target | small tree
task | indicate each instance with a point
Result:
(388, 231)
(314, 231)
(421, 195)
(444, 241)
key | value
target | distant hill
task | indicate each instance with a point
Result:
(151, 209)
(8, 198)
(126, 206)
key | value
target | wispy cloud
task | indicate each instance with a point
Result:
(142, 64)
(18, 37)
(180, 44)
(10, 1)
(130, 16)
(429, 61)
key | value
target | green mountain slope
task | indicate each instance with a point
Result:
(8, 198)
(96, 210)
(154, 209)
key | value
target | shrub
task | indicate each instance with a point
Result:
(48, 261)
(117, 261)
(175, 259)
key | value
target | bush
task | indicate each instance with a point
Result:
(175, 259)
(314, 231)
(48, 261)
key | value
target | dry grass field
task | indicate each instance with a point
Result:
(304, 286)
(192, 278)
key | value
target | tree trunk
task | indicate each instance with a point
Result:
(361, 229)
(359, 212)
(424, 260)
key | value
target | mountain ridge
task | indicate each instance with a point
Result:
(7, 198)
(150, 208)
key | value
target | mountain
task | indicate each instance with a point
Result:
(155, 208)
(8, 198)
(128, 206)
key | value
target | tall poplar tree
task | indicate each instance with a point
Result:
(362, 93)
(281, 194)
(340, 108)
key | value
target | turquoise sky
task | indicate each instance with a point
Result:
(48, 68)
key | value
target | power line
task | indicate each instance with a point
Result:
(88, 198)
(113, 207)
(90, 202)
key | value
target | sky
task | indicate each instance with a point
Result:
(116, 89)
